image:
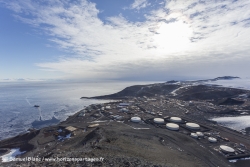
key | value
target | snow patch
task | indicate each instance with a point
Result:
(11, 155)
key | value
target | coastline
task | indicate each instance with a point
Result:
(36, 131)
(100, 127)
(59, 99)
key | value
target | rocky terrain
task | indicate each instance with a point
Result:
(104, 135)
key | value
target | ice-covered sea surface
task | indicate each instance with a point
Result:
(240, 122)
(237, 123)
(58, 99)
(243, 83)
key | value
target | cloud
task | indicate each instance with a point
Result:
(191, 38)
(207, 17)
(139, 4)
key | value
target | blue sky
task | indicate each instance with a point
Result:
(127, 40)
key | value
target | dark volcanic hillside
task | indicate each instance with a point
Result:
(142, 90)
(230, 101)
(204, 92)
(182, 92)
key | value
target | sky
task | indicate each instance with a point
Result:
(124, 40)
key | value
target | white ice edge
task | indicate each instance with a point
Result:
(11, 155)
(237, 123)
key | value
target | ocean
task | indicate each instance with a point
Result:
(58, 99)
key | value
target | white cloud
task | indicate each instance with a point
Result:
(191, 38)
(139, 4)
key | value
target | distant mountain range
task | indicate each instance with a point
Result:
(172, 81)
(206, 80)
(220, 78)
(225, 78)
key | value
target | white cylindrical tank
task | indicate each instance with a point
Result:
(159, 120)
(199, 134)
(226, 149)
(192, 125)
(108, 107)
(172, 126)
(136, 119)
(212, 139)
(175, 119)
(194, 135)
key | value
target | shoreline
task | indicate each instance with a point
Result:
(79, 111)
(92, 128)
